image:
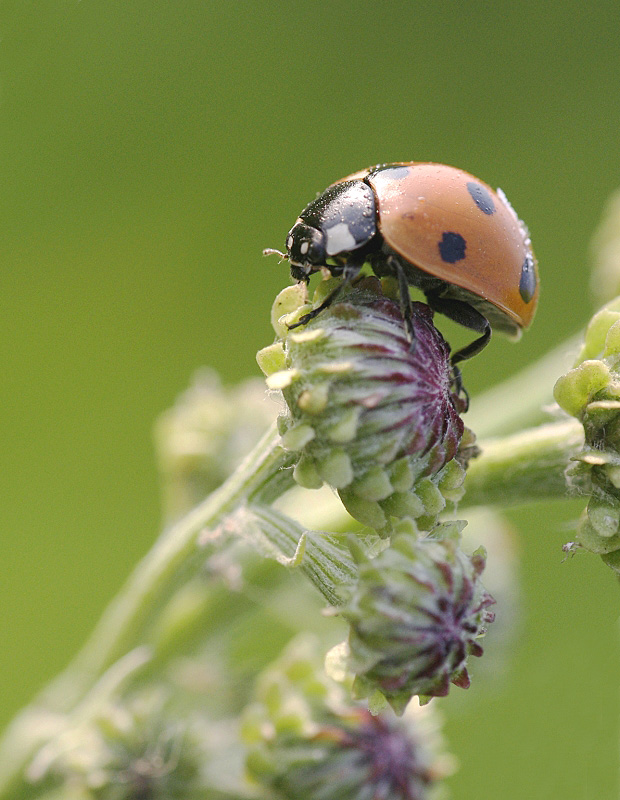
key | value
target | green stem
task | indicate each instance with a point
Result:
(324, 558)
(527, 467)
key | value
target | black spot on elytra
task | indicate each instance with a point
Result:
(481, 197)
(452, 247)
(527, 284)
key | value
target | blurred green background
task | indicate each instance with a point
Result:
(148, 152)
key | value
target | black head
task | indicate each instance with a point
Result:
(305, 248)
(339, 226)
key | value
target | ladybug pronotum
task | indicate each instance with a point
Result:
(431, 226)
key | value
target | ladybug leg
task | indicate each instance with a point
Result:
(349, 274)
(461, 312)
(405, 299)
(477, 346)
(459, 389)
(466, 315)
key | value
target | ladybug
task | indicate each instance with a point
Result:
(431, 226)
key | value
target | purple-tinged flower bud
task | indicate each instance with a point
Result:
(305, 741)
(417, 613)
(367, 415)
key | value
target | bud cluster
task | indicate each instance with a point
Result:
(367, 415)
(591, 393)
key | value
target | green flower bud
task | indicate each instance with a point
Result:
(135, 748)
(415, 616)
(305, 741)
(365, 414)
(205, 435)
(591, 393)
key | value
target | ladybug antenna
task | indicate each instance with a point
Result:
(269, 251)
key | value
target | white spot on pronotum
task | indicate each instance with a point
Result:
(289, 242)
(304, 248)
(339, 239)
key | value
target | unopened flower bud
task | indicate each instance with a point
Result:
(417, 613)
(305, 741)
(131, 748)
(366, 414)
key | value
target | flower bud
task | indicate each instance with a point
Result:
(130, 748)
(591, 393)
(204, 436)
(305, 741)
(366, 415)
(415, 616)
